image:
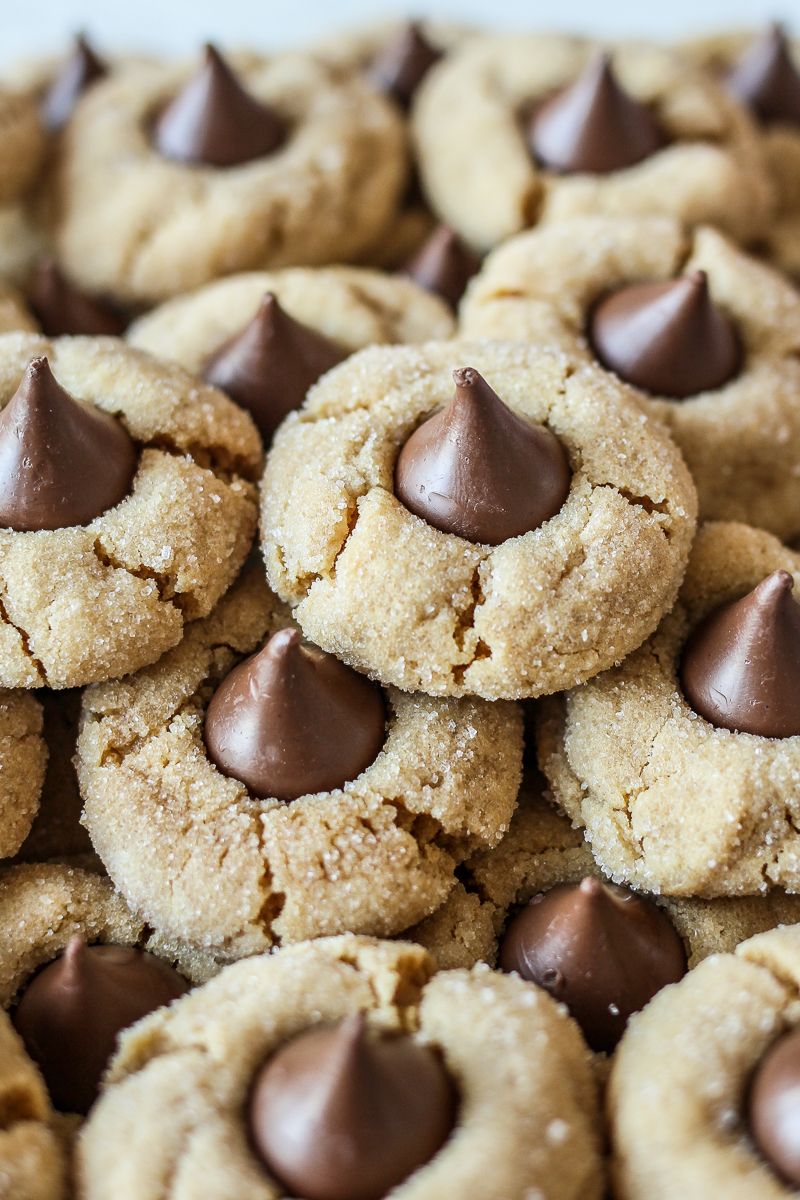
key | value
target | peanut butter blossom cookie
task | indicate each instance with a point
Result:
(507, 536)
(170, 180)
(707, 707)
(23, 756)
(32, 1159)
(707, 335)
(250, 789)
(703, 1096)
(347, 1069)
(513, 130)
(266, 337)
(126, 507)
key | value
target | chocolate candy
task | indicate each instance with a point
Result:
(214, 122)
(767, 81)
(741, 666)
(292, 720)
(61, 462)
(400, 67)
(343, 1113)
(71, 1012)
(443, 265)
(61, 308)
(478, 470)
(667, 338)
(271, 364)
(774, 1107)
(77, 73)
(600, 949)
(593, 126)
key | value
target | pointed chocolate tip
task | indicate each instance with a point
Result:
(80, 70)
(767, 80)
(400, 67)
(590, 885)
(214, 121)
(75, 952)
(593, 126)
(61, 308)
(740, 669)
(443, 265)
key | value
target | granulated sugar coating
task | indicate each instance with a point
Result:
(428, 611)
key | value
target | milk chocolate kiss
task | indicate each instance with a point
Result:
(741, 666)
(271, 364)
(71, 1012)
(214, 122)
(342, 1113)
(61, 462)
(600, 949)
(61, 308)
(77, 73)
(767, 81)
(443, 265)
(400, 67)
(774, 1107)
(668, 338)
(593, 126)
(478, 470)
(292, 720)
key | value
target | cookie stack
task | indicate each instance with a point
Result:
(399, 726)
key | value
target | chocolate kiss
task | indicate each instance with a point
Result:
(71, 1012)
(61, 308)
(741, 667)
(478, 470)
(443, 265)
(292, 720)
(214, 122)
(767, 81)
(593, 126)
(271, 364)
(668, 338)
(774, 1107)
(400, 67)
(61, 462)
(600, 949)
(343, 1114)
(82, 68)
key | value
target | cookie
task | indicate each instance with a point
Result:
(762, 71)
(23, 755)
(14, 313)
(679, 1088)
(92, 588)
(319, 164)
(22, 144)
(179, 1083)
(672, 800)
(22, 241)
(32, 1160)
(424, 609)
(502, 145)
(191, 845)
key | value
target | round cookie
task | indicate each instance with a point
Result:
(681, 1075)
(32, 1159)
(719, 54)
(671, 803)
(481, 178)
(142, 227)
(22, 144)
(533, 1118)
(353, 307)
(93, 601)
(23, 756)
(22, 242)
(14, 313)
(741, 441)
(427, 610)
(210, 864)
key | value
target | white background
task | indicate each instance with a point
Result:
(30, 27)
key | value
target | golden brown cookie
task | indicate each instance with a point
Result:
(22, 242)
(22, 144)
(427, 610)
(14, 313)
(681, 1075)
(23, 755)
(527, 1120)
(208, 863)
(741, 441)
(671, 803)
(141, 227)
(32, 1159)
(481, 178)
(93, 601)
